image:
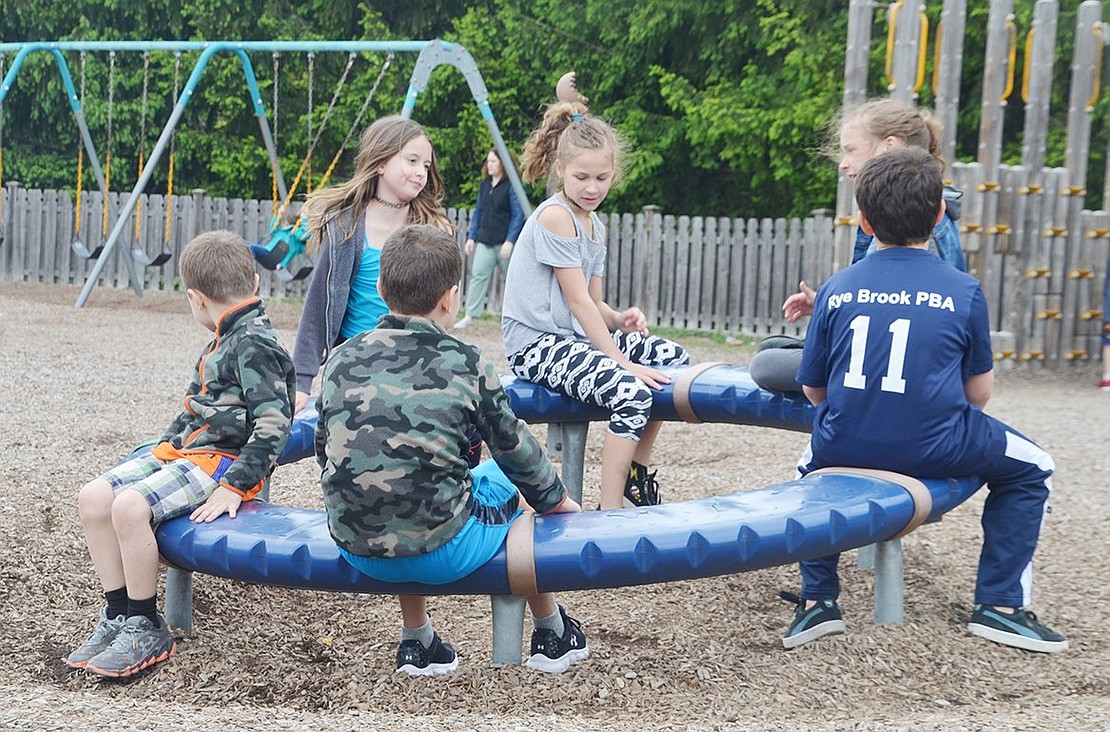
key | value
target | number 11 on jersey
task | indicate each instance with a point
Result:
(855, 378)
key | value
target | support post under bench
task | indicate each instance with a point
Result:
(567, 441)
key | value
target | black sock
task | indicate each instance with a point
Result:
(117, 603)
(147, 607)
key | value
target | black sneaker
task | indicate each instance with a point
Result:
(554, 654)
(1020, 630)
(640, 489)
(416, 660)
(822, 619)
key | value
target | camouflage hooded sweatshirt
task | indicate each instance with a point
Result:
(395, 406)
(239, 403)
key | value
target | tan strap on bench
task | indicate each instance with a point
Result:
(682, 386)
(922, 498)
(520, 555)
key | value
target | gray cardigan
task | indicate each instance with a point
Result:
(329, 287)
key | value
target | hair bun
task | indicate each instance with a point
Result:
(566, 90)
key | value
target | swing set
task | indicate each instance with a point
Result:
(283, 251)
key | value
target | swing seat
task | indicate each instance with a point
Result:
(289, 274)
(82, 251)
(286, 244)
(140, 256)
(270, 255)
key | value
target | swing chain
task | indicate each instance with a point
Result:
(108, 153)
(319, 130)
(173, 142)
(274, 172)
(80, 155)
(358, 120)
(142, 144)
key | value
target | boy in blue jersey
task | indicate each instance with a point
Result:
(898, 362)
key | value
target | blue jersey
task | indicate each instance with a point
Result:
(892, 339)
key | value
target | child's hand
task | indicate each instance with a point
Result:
(223, 500)
(301, 402)
(800, 304)
(569, 505)
(633, 320)
(653, 378)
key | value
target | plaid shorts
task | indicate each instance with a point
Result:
(171, 488)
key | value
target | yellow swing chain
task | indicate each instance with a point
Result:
(80, 157)
(108, 154)
(142, 144)
(173, 139)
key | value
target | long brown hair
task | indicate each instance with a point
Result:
(567, 128)
(379, 142)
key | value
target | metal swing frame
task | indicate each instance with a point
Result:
(431, 54)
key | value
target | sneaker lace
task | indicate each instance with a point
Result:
(125, 638)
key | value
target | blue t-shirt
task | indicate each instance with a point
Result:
(364, 305)
(892, 339)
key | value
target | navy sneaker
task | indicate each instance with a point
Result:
(1020, 630)
(640, 489)
(553, 653)
(822, 619)
(435, 660)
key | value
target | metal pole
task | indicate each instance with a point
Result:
(889, 590)
(508, 628)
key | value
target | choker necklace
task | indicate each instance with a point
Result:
(390, 204)
(575, 204)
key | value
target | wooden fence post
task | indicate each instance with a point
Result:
(647, 296)
(199, 223)
(8, 231)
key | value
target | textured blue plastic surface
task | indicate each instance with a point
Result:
(781, 524)
(724, 394)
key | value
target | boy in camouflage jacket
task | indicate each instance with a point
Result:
(215, 454)
(395, 406)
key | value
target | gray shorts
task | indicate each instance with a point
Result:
(170, 487)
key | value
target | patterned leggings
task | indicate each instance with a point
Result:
(581, 371)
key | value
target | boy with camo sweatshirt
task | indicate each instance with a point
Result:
(395, 407)
(216, 453)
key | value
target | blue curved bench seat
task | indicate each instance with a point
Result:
(724, 393)
(780, 524)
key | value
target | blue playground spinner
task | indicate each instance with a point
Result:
(781, 524)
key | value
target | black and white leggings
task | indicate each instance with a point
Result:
(581, 371)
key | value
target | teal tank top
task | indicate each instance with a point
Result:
(364, 304)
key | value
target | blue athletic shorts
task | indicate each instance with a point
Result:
(496, 504)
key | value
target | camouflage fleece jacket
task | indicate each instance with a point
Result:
(239, 402)
(395, 406)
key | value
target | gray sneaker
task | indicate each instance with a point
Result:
(102, 636)
(139, 644)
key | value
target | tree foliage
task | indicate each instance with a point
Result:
(725, 106)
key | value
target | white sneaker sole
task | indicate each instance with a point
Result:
(540, 662)
(1016, 640)
(432, 669)
(829, 627)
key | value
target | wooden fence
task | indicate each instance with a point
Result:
(1043, 279)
